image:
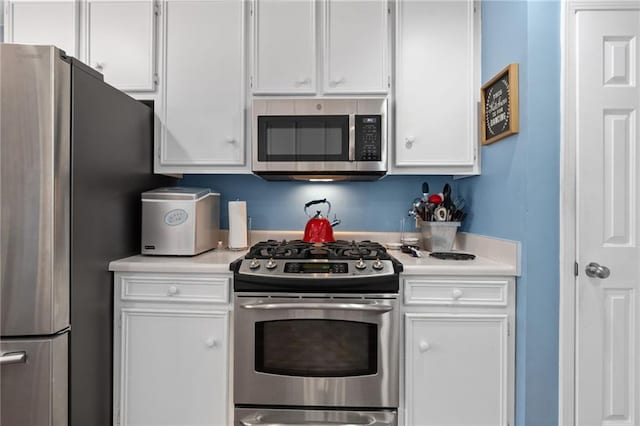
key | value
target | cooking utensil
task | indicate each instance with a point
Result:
(425, 192)
(435, 198)
(318, 228)
(441, 214)
(412, 250)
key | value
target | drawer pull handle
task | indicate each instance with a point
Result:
(456, 293)
(172, 291)
(211, 342)
(424, 346)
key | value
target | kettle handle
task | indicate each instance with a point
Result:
(311, 203)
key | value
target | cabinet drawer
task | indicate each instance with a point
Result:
(208, 289)
(459, 292)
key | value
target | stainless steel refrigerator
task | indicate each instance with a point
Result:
(75, 154)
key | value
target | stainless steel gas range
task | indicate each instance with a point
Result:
(316, 334)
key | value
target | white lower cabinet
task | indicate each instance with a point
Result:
(459, 352)
(170, 356)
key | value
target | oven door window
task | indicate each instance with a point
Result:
(316, 348)
(303, 138)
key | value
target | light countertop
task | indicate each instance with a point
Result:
(213, 261)
(427, 265)
(493, 257)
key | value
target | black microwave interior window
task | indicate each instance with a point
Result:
(316, 348)
(303, 138)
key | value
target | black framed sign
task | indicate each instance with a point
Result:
(499, 99)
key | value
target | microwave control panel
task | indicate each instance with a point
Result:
(368, 137)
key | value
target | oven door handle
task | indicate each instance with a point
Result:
(361, 307)
(255, 421)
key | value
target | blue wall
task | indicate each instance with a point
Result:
(362, 206)
(516, 197)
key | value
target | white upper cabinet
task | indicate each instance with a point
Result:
(121, 42)
(284, 46)
(437, 86)
(202, 110)
(43, 22)
(320, 47)
(356, 46)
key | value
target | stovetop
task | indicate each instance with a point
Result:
(298, 266)
(338, 250)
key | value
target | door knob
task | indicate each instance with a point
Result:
(595, 270)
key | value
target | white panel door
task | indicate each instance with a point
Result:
(173, 368)
(43, 22)
(120, 42)
(435, 85)
(456, 370)
(356, 46)
(203, 85)
(608, 140)
(284, 46)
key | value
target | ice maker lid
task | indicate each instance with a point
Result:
(177, 193)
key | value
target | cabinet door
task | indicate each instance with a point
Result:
(203, 89)
(356, 46)
(43, 22)
(173, 368)
(284, 46)
(120, 42)
(437, 84)
(456, 371)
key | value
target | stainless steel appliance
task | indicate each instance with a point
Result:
(75, 153)
(180, 221)
(316, 334)
(319, 138)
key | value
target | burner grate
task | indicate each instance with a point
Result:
(298, 249)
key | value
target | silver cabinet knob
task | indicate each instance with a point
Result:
(424, 346)
(595, 270)
(409, 141)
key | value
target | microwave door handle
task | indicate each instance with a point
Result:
(352, 137)
(361, 307)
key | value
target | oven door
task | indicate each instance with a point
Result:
(323, 352)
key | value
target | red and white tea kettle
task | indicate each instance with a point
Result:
(319, 229)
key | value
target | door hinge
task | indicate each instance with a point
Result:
(251, 81)
(156, 79)
(156, 8)
(389, 81)
(118, 416)
(508, 328)
(575, 269)
(251, 10)
(120, 322)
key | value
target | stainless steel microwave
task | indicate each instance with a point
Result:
(319, 138)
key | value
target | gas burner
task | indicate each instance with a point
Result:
(298, 249)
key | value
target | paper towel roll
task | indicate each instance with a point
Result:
(237, 225)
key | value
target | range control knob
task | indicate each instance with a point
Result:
(271, 264)
(360, 264)
(254, 264)
(377, 265)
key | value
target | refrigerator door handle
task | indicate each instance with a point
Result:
(13, 358)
